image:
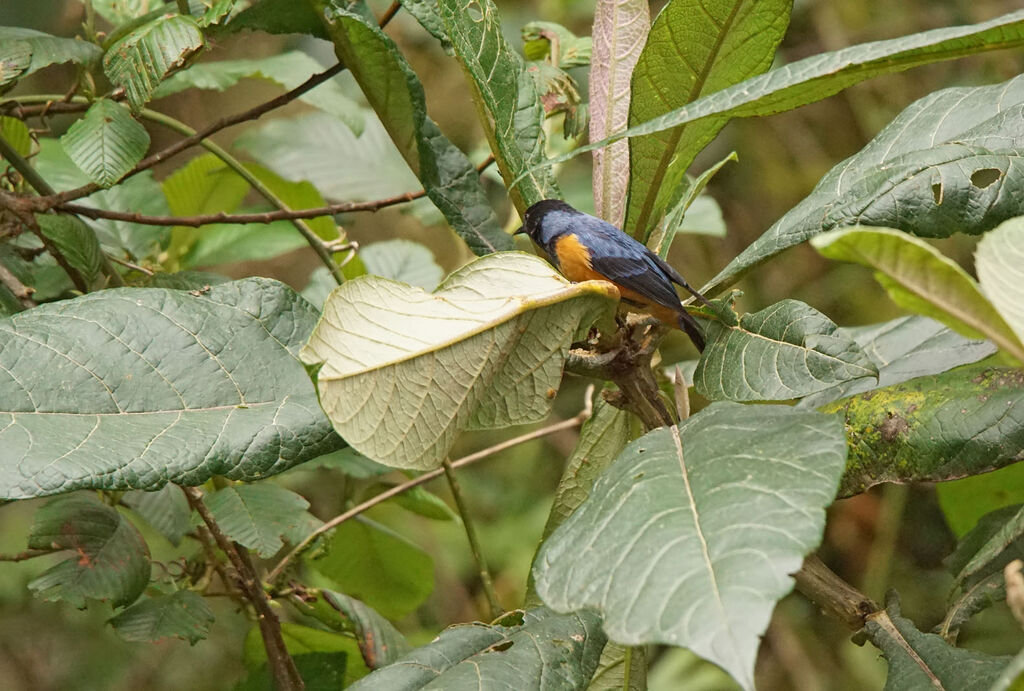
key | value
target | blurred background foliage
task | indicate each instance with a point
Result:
(888, 537)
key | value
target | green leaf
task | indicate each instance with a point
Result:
(106, 143)
(611, 671)
(256, 516)
(379, 641)
(689, 537)
(421, 502)
(132, 388)
(536, 649)
(507, 93)
(394, 91)
(902, 349)
(352, 463)
(1000, 263)
(138, 194)
(75, 240)
(288, 69)
(1012, 676)
(924, 662)
(109, 559)
(921, 279)
(784, 351)
(695, 48)
(619, 32)
(119, 12)
(278, 17)
(965, 501)
(694, 212)
(402, 260)
(17, 135)
(936, 150)
(142, 59)
(384, 344)
(934, 428)
(428, 14)
(319, 672)
(204, 185)
(15, 57)
(45, 49)
(308, 147)
(166, 510)
(183, 614)
(368, 561)
(327, 661)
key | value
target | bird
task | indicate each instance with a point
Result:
(584, 248)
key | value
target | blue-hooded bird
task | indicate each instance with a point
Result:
(586, 248)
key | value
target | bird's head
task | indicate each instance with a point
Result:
(547, 219)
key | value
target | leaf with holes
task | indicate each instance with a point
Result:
(950, 162)
(784, 351)
(45, 49)
(132, 388)
(396, 94)
(405, 371)
(903, 349)
(428, 15)
(1000, 263)
(183, 614)
(941, 427)
(921, 279)
(925, 662)
(620, 30)
(507, 93)
(106, 143)
(142, 59)
(109, 559)
(695, 48)
(256, 516)
(689, 537)
(537, 649)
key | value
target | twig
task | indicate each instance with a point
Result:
(834, 595)
(474, 542)
(276, 572)
(19, 289)
(280, 663)
(389, 14)
(129, 265)
(18, 206)
(24, 169)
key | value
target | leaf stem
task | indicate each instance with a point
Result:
(279, 661)
(276, 572)
(627, 667)
(474, 542)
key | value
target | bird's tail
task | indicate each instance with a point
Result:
(688, 324)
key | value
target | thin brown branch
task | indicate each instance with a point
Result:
(834, 595)
(20, 207)
(17, 288)
(26, 555)
(129, 265)
(389, 14)
(177, 147)
(278, 570)
(279, 662)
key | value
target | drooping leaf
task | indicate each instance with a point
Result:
(695, 48)
(503, 88)
(784, 351)
(537, 649)
(620, 30)
(44, 49)
(166, 510)
(140, 193)
(395, 92)
(256, 516)
(288, 69)
(924, 173)
(934, 428)
(379, 641)
(385, 344)
(142, 59)
(109, 560)
(925, 662)
(921, 279)
(106, 143)
(965, 501)
(902, 349)
(75, 241)
(690, 536)
(378, 566)
(1000, 263)
(132, 388)
(15, 57)
(308, 147)
(183, 614)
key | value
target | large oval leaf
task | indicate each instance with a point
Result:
(690, 536)
(941, 427)
(950, 162)
(106, 143)
(136, 387)
(404, 371)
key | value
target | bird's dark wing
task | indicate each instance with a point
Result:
(677, 278)
(630, 265)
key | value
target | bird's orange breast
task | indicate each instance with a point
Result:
(574, 260)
